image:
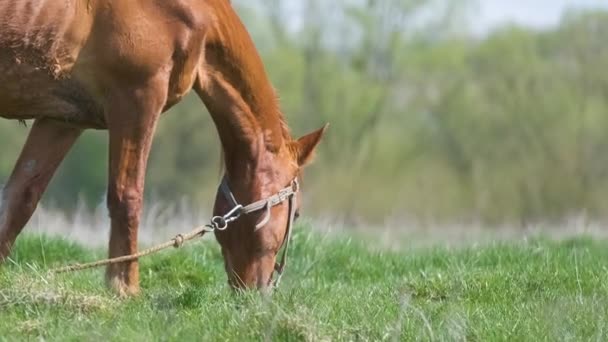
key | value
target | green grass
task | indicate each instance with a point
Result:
(335, 289)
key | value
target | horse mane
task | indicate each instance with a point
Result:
(245, 70)
(285, 130)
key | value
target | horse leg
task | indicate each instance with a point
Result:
(132, 116)
(46, 146)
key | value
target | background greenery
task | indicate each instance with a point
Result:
(429, 121)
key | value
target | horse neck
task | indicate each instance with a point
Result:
(236, 90)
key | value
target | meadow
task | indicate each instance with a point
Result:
(431, 124)
(336, 288)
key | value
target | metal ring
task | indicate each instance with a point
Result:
(219, 223)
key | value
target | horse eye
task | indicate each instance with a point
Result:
(296, 215)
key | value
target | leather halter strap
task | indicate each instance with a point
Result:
(285, 194)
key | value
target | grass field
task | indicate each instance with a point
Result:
(335, 289)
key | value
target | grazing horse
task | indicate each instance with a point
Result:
(117, 65)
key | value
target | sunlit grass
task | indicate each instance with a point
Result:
(335, 289)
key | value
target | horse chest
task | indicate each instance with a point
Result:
(186, 62)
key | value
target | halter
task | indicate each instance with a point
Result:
(285, 194)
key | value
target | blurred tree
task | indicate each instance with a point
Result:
(12, 137)
(427, 121)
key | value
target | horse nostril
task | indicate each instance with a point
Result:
(265, 284)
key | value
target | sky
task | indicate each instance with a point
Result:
(487, 14)
(535, 13)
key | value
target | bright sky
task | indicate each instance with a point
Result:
(537, 13)
(490, 13)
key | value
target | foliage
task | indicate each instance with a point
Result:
(335, 289)
(427, 121)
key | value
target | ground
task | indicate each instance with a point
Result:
(336, 288)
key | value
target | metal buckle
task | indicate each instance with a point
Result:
(233, 214)
(295, 185)
(221, 222)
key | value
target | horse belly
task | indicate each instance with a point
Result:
(40, 43)
(29, 92)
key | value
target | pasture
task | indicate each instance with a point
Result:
(434, 123)
(336, 288)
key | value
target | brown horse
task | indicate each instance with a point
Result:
(117, 65)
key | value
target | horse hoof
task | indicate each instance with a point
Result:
(121, 288)
(121, 284)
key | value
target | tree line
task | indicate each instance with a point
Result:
(427, 120)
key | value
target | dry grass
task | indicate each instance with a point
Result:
(31, 286)
(161, 222)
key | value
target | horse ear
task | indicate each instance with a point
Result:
(304, 147)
